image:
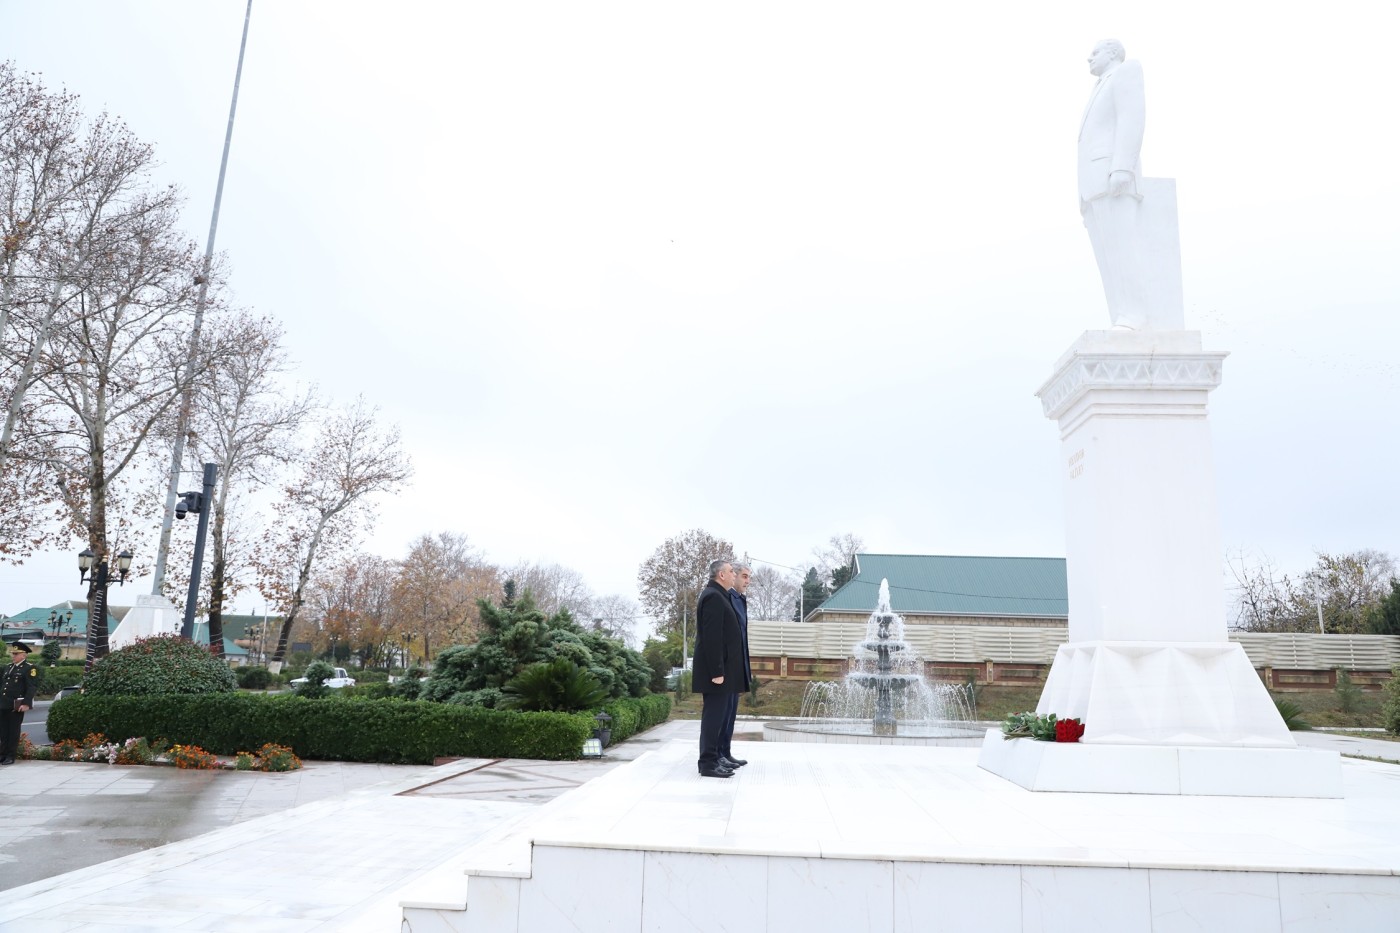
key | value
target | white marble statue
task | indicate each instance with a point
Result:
(1131, 220)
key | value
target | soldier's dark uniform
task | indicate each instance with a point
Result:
(17, 683)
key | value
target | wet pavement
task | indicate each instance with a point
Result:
(96, 847)
(93, 847)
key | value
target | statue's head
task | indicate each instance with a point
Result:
(1106, 54)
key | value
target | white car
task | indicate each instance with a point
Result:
(342, 678)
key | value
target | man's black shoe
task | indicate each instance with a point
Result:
(732, 763)
(7, 761)
(716, 771)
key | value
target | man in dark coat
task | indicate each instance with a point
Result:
(740, 602)
(718, 669)
(16, 698)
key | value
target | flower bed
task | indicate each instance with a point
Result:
(95, 747)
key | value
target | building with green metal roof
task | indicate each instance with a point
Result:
(954, 590)
(67, 623)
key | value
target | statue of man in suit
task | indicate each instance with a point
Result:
(1111, 186)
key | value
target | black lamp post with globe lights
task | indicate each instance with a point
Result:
(96, 571)
(56, 622)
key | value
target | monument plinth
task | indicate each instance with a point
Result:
(1169, 704)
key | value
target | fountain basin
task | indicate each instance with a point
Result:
(950, 733)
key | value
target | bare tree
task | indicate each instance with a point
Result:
(246, 423)
(1345, 588)
(1348, 587)
(1266, 600)
(327, 508)
(352, 601)
(109, 372)
(772, 594)
(554, 587)
(436, 588)
(671, 578)
(836, 559)
(56, 183)
(616, 617)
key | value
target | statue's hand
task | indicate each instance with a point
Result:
(1120, 183)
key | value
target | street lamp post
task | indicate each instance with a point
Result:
(56, 622)
(95, 571)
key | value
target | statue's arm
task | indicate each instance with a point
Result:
(1130, 111)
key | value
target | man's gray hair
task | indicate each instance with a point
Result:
(740, 566)
(717, 565)
(1116, 47)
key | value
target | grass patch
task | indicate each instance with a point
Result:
(1324, 708)
(1373, 736)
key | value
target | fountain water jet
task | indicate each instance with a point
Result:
(885, 697)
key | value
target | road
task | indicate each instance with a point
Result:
(36, 722)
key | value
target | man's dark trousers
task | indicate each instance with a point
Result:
(10, 722)
(726, 734)
(714, 714)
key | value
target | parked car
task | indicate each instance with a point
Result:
(342, 678)
(68, 691)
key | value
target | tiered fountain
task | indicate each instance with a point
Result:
(884, 698)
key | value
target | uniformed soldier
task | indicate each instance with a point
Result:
(16, 699)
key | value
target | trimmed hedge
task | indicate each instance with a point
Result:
(630, 716)
(336, 729)
(54, 679)
(390, 731)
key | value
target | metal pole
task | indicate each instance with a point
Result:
(1320, 629)
(206, 505)
(182, 425)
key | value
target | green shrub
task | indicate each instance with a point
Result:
(486, 697)
(1390, 710)
(1348, 693)
(559, 685)
(370, 677)
(682, 686)
(378, 690)
(166, 664)
(631, 715)
(1292, 715)
(317, 673)
(254, 678)
(517, 635)
(51, 652)
(333, 729)
(54, 679)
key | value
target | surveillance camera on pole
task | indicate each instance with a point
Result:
(198, 503)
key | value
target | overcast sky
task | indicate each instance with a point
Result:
(778, 271)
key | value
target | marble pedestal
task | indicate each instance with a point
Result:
(1148, 667)
(151, 616)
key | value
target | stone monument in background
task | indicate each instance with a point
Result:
(1169, 704)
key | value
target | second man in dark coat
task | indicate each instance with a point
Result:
(720, 668)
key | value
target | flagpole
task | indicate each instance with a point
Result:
(182, 426)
